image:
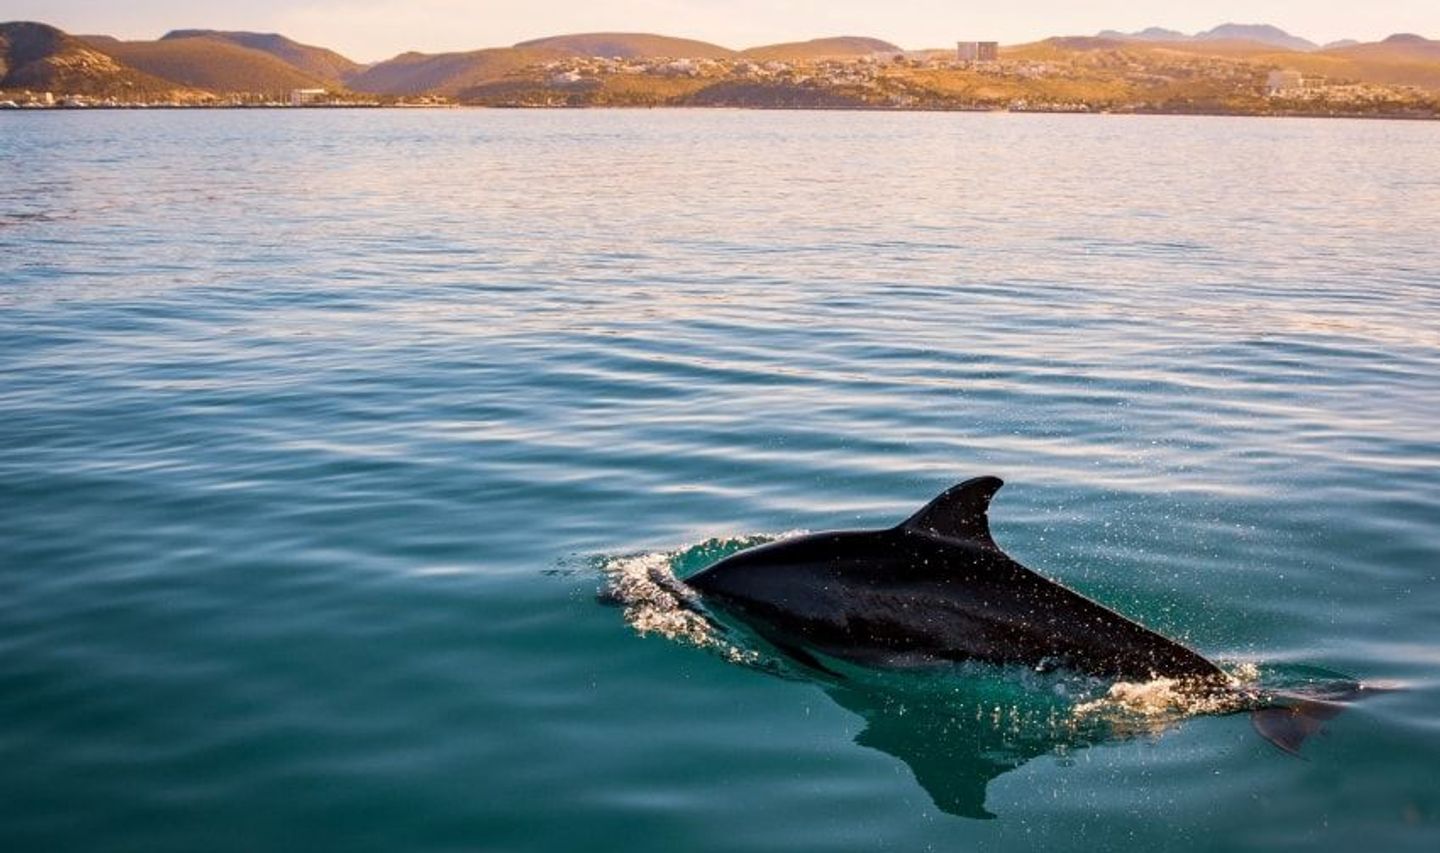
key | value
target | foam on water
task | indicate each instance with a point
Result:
(656, 601)
(1174, 698)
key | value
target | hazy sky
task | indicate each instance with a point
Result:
(376, 29)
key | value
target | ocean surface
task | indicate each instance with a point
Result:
(346, 458)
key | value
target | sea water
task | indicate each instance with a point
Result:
(330, 442)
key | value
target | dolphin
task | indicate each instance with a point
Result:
(931, 590)
(936, 589)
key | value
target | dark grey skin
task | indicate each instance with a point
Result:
(934, 589)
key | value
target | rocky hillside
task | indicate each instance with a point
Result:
(41, 58)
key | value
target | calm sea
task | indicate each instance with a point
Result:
(322, 434)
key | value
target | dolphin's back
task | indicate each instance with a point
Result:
(935, 588)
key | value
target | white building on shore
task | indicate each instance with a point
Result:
(306, 97)
(1281, 82)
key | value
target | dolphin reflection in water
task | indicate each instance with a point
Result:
(937, 590)
(957, 735)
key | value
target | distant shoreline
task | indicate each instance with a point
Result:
(718, 107)
(1251, 71)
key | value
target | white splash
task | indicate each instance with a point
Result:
(657, 602)
(1156, 704)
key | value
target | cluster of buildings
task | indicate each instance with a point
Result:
(31, 100)
(52, 101)
(1291, 85)
(892, 80)
(1320, 94)
(579, 69)
(844, 71)
(296, 98)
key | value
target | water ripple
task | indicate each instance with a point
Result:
(303, 412)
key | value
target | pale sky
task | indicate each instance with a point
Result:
(369, 30)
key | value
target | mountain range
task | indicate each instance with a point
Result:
(38, 56)
(198, 62)
(1259, 33)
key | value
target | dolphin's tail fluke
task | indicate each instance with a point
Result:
(1296, 718)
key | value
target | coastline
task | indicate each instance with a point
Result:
(857, 108)
(42, 67)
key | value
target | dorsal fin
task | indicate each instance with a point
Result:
(959, 512)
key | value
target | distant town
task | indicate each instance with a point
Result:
(1242, 71)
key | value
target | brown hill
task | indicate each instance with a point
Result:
(1083, 43)
(839, 47)
(318, 62)
(446, 73)
(1062, 47)
(628, 46)
(211, 64)
(1403, 60)
(42, 58)
(1229, 48)
(1400, 48)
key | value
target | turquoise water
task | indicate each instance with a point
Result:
(323, 436)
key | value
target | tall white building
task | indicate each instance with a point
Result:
(977, 51)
